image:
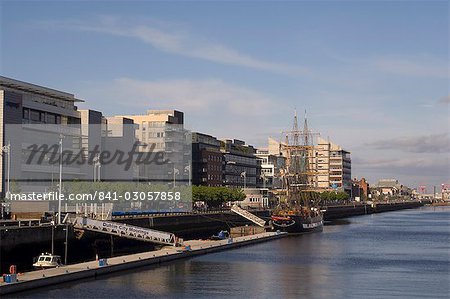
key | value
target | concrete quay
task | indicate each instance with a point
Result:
(47, 277)
(21, 243)
(358, 209)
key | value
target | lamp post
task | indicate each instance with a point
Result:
(61, 137)
(7, 150)
(65, 244)
(97, 166)
(264, 179)
(265, 199)
(188, 170)
(244, 175)
(53, 238)
(175, 172)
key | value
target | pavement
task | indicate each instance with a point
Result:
(87, 269)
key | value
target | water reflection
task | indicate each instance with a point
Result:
(398, 254)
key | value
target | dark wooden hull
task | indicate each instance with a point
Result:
(300, 224)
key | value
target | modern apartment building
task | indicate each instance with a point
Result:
(332, 165)
(163, 131)
(119, 134)
(30, 114)
(35, 115)
(240, 163)
(207, 160)
(269, 169)
(329, 165)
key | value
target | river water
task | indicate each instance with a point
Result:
(404, 254)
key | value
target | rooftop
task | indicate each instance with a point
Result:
(45, 91)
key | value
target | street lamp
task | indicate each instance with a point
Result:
(65, 243)
(61, 137)
(263, 175)
(265, 200)
(97, 166)
(244, 175)
(188, 170)
(7, 150)
(175, 172)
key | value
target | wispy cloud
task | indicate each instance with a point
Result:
(176, 41)
(195, 96)
(234, 110)
(413, 66)
(434, 143)
(410, 166)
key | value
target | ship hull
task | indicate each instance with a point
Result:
(299, 225)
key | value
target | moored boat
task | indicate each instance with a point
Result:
(296, 212)
(298, 223)
(47, 260)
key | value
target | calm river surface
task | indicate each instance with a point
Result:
(404, 254)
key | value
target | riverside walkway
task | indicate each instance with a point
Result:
(47, 277)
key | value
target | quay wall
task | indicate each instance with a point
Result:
(88, 270)
(20, 245)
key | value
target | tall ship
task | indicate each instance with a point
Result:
(298, 210)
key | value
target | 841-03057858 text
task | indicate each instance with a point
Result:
(138, 195)
(98, 196)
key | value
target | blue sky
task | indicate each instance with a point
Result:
(373, 76)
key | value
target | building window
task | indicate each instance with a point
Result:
(51, 118)
(73, 121)
(26, 113)
(34, 115)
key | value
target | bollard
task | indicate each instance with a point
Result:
(102, 262)
(10, 278)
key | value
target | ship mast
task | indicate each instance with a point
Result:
(298, 149)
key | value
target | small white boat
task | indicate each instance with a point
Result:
(47, 260)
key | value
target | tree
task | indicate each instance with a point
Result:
(216, 196)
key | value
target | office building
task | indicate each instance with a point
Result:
(162, 131)
(207, 160)
(32, 114)
(240, 163)
(269, 169)
(333, 166)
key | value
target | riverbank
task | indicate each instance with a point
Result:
(384, 255)
(358, 209)
(19, 245)
(42, 278)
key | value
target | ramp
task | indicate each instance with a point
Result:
(249, 216)
(125, 230)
